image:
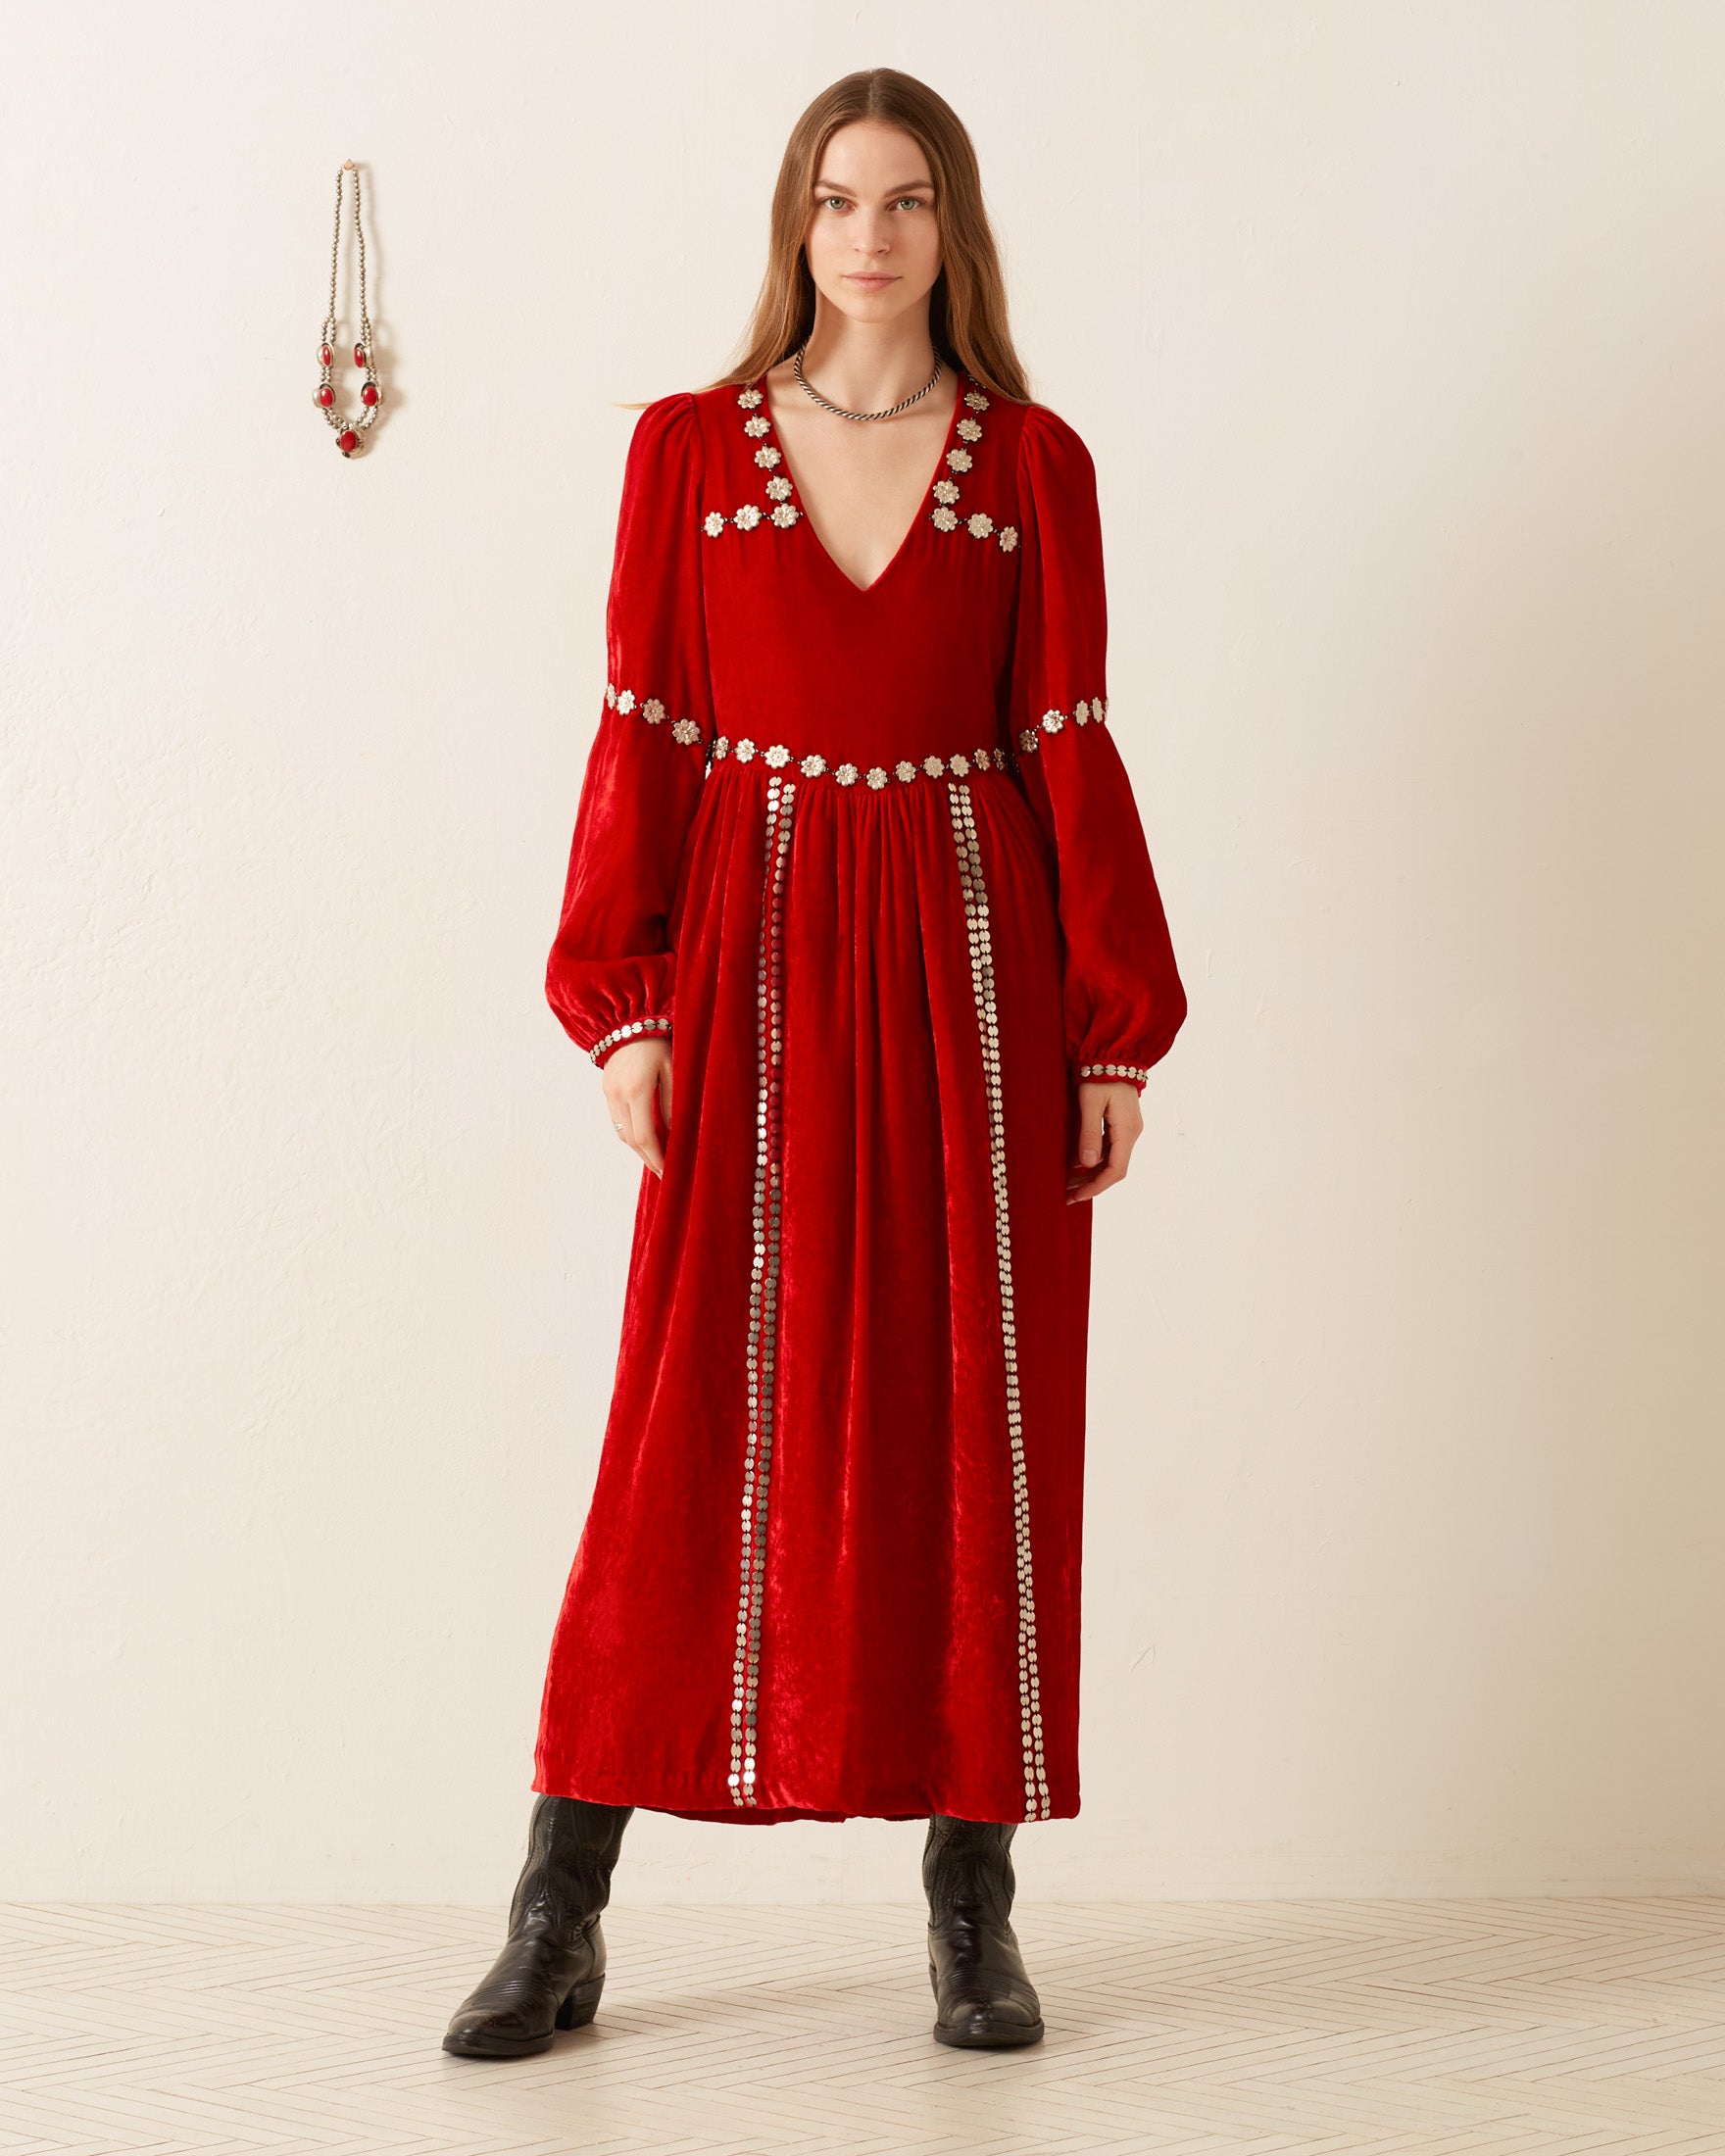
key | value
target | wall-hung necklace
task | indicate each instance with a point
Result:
(350, 434)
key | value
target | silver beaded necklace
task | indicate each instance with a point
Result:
(891, 412)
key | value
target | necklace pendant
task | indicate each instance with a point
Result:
(350, 433)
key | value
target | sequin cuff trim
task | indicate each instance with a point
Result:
(1114, 1070)
(603, 1047)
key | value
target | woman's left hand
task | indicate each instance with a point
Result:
(1110, 1124)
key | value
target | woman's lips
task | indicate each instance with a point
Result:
(868, 283)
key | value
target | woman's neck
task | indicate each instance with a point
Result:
(867, 366)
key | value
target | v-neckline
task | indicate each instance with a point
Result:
(868, 591)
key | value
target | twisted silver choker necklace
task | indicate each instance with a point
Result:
(891, 412)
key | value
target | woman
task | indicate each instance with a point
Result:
(857, 884)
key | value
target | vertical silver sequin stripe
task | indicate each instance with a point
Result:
(975, 890)
(762, 1294)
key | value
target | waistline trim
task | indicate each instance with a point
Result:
(877, 775)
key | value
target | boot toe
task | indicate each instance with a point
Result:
(508, 2032)
(987, 2019)
(989, 2024)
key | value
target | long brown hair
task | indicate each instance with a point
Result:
(968, 306)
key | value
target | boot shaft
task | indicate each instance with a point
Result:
(967, 1870)
(572, 1849)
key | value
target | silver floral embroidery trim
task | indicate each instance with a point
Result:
(876, 777)
(975, 893)
(1087, 711)
(780, 513)
(620, 1033)
(1112, 1070)
(762, 1297)
(946, 515)
(813, 764)
(652, 711)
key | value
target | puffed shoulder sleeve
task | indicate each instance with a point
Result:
(611, 974)
(1124, 1002)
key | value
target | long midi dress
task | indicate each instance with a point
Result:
(871, 858)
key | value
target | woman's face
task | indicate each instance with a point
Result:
(873, 243)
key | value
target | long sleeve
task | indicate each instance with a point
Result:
(611, 972)
(1124, 1001)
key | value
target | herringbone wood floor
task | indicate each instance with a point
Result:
(1210, 2028)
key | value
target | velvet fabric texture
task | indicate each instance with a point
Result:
(872, 858)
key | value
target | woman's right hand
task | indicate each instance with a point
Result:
(637, 1079)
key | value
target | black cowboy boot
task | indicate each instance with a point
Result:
(552, 1968)
(982, 1995)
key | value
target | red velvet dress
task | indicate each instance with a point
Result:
(871, 859)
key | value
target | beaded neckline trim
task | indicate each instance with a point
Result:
(946, 515)
(782, 512)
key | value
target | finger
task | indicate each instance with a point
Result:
(1092, 1147)
(1098, 1180)
(1122, 1137)
(1123, 1125)
(1086, 1182)
(620, 1101)
(643, 1131)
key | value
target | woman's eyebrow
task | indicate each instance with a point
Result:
(833, 187)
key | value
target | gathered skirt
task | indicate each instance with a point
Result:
(831, 1563)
